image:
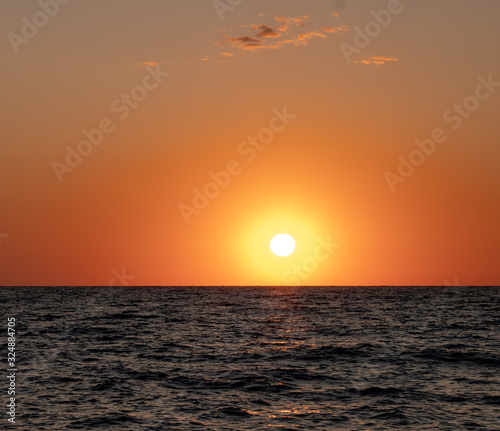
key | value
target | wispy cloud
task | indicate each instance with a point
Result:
(266, 31)
(304, 37)
(243, 39)
(376, 61)
(337, 30)
(282, 31)
(285, 22)
(246, 42)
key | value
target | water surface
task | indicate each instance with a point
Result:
(191, 358)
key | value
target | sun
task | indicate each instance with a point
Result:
(282, 245)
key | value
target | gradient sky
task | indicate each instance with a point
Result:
(331, 175)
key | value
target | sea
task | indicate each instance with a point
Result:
(253, 358)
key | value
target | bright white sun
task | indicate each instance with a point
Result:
(282, 245)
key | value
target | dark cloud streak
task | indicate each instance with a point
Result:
(266, 31)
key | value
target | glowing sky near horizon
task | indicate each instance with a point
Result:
(151, 142)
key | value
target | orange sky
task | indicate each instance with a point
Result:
(308, 116)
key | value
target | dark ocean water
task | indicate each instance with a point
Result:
(255, 358)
